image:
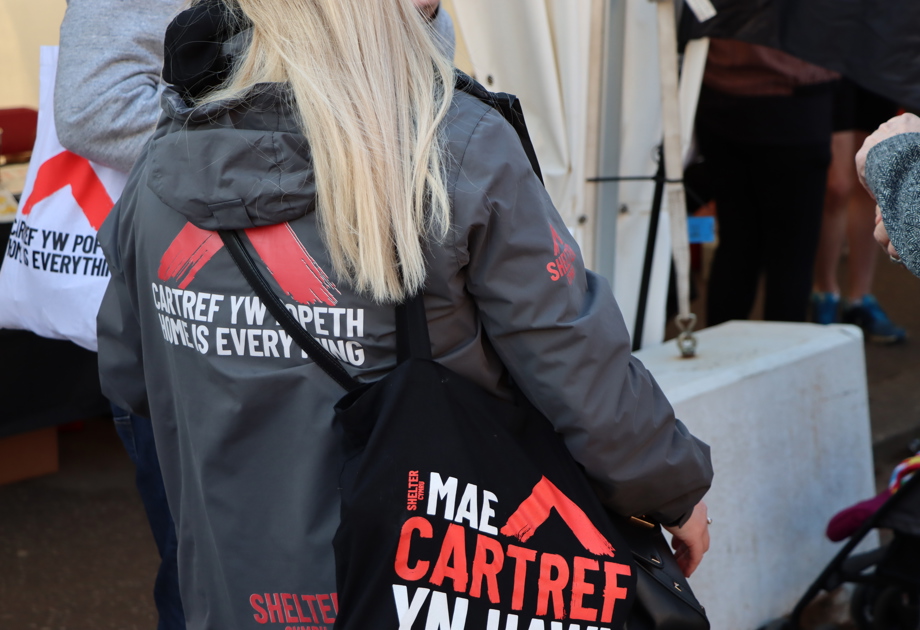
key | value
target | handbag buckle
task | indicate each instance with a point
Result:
(635, 520)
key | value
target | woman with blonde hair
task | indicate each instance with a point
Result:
(330, 133)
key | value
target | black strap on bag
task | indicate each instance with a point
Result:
(273, 303)
(509, 106)
(412, 338)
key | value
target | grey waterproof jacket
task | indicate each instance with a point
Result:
(243, 420)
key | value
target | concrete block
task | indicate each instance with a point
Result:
(785, 409)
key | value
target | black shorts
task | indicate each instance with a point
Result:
(858, 109)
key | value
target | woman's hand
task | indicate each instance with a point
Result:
(691, 540)
(881, 235)
(905, 123)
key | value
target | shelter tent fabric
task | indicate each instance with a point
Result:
(873, 42)
(538, 51)
(542, 52)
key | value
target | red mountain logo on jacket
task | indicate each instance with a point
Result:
(561, 267)
(69, 169)
(288, 261)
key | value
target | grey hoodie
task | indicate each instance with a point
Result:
(107, 87)
(243, 421)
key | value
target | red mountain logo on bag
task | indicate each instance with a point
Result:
(561, 267)
(288, 261)
(69, 169)
(536, 508)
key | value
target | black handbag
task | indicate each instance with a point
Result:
(461, 510)
(664, 600)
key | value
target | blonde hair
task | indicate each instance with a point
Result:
(371, 88)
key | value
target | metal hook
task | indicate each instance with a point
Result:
(686, 341)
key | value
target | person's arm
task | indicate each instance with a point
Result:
(889, 166)
(881, 236)
(121, 366)
(106, 96)
(560, 333)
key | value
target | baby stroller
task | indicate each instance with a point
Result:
(887, 593)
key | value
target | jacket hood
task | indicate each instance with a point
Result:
(232, 165)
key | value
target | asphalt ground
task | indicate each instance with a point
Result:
(76, 554)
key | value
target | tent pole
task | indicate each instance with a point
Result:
(608, 149)
(594, 123)
(650, 241)
(673, 169)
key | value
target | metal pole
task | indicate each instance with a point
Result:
(649, 253)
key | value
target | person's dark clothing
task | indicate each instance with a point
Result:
(858, 109)
(764, 128)
(136, 433)
(768, 206)
(802, 118)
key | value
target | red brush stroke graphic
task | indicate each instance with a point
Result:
(535, 509)
(291, 265)
(287, 260)
(187, 254)
(69, 169)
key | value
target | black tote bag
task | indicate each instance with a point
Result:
(461, 510)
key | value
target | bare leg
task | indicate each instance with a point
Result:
(841, 181)
(860, 236)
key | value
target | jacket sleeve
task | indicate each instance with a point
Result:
(106, 96)
(121, 367)
(893, 174)
(560, 333)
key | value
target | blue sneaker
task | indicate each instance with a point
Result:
(869, 316)
(824, 307)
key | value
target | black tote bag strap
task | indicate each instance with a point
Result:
(326, 362)
(509, 106)
(412, 339)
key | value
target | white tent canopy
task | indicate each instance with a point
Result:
(587, 74)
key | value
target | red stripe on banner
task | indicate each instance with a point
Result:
(287, 260)
(69, 169)
(187, 254)
(535, 509)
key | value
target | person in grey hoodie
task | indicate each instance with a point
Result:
(310, 125)
(889, 166)
(107, 90)
(106, 105)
